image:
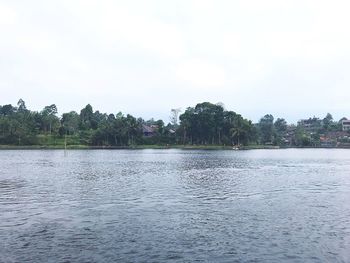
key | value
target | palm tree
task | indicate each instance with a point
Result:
(238, 129)
(236, 132)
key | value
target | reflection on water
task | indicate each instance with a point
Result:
(175, 206)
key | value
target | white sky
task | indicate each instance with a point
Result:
(290, 58)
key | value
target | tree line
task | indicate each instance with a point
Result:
(204, 124)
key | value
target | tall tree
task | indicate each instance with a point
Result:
(280, 127)
(49, 118)
(70, 122)
(86, 116)
(21, 105)
(174, 116)
(327, 122)
(266, 128)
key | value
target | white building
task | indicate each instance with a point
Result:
(345, 125)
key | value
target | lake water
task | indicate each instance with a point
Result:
(175, 206)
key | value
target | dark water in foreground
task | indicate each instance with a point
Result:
(175, 206)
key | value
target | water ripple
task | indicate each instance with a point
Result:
(175, 206)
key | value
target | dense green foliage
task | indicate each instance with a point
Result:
(204, 124)
(210, 124)
(20, 126)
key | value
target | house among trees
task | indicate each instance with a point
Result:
(204, 124)
(310, 124)
(149, 131)
(345, 125)
(326, 141)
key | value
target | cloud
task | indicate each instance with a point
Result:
(111, 22)
(200, 73)
(250, 54)
(8, 16)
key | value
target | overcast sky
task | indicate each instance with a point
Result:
(287, 58)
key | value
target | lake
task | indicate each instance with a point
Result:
(288, 205)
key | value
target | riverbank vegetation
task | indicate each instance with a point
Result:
(204, 125)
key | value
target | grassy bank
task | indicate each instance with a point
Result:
(33, 147)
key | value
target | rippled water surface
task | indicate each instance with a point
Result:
(175, 206)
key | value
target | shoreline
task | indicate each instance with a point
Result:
(160, 147)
